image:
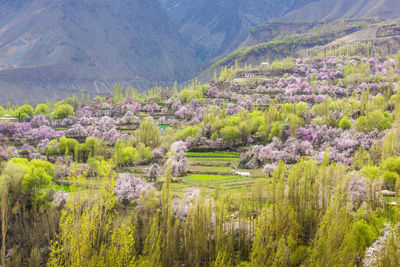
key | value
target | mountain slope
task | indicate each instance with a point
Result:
(52, 48)
(216, 27)
(331, 10)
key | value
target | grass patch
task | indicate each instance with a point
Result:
(218, 162)
(213, 154)
(65, 188)
(206, 177)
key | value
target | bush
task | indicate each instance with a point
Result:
(371, 172)
(63, 111)
(363, 235)
(374, 120)
(190, 131)
(24, 111)
(37, 177)
(94, 162)
(144, 152)
(276, 130)
(185, 96)
(301, 109)
(230, 134)
(129, 156)
(345, 123)
(391, 165)
(148, 133)
(69, 144)
(42, 109)
(390, 179)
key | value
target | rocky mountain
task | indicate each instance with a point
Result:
(54, 48)
(215, 27)
(337, 9)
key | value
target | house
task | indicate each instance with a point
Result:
(55, 123)
(105, 112)
(249, 75)
(8, 119)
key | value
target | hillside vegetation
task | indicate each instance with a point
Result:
(292, 164)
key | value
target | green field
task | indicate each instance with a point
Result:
(213, 154)
(206, 177)
(208, 170)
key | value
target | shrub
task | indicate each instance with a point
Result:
(42, 109)
(148, 133)
(63, 111)
(185, 96)
(371, 172)
(190, 131)
(345, 123)
(363, 235)
(129, 156)
(276, 130)
(24, 111)
(230, 134)
(391, 165)
(390, 179)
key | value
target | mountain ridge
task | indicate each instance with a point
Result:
(96, 42)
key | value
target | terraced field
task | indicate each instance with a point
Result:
(216, 169)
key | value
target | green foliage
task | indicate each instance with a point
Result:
(226, 74)
(371, 172)
(62, 111)
(30, 178)
(391, 165)
(374, 120)
(230, 134)
(11, 179)
(86, 236)
(42, 109)
(144, 152)
(390, 179)
(301, 109)
(345, 123)
(190, 131)
(287, 108)
(67, 144)
(390, 146)
(287, 63)
(294, 123)
(24, 111)
(276, 130)
(38, 174)
(129, 156)
(363, 235)
(148, 133)
(95, 162)
(185, 96)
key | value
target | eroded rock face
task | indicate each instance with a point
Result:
(249, 160)
(215, 27)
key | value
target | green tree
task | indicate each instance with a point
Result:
(148, 133)
(24, 111)
(42, 109)
(63, 111)
(93, 144)
(230, 134)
